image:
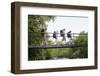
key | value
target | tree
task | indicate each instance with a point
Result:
(82, 40)
(35, 24)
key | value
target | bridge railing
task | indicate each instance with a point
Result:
(49, 34)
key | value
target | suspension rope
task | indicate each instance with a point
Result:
(48, 34)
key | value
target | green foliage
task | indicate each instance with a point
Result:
(35, 24)
(36, 54)
(81, 40)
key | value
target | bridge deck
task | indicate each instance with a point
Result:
(53, 46)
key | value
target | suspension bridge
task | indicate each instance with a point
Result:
(66, 45)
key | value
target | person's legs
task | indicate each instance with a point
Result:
(56, 40)
(64, 39)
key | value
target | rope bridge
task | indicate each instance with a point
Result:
(49, 34)
(71, 45)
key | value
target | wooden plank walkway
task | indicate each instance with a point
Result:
(53, 46)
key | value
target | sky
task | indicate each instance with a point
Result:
(75, 24)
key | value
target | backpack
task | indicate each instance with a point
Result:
(69, 35)
(61, 33)
(54, 35)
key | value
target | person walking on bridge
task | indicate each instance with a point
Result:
(69, 35)
(62, 34)
(55, 36)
